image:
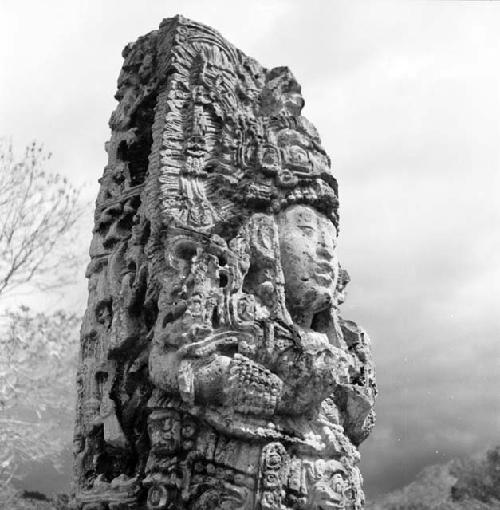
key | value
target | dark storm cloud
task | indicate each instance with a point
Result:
(419, 211)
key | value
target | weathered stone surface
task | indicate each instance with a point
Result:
(215, 370)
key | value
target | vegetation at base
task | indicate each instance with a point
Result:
(10, 499)
(471, 483)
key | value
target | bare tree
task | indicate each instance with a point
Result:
(38, 228)
(38, 213)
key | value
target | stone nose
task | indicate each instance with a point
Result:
(324, 251)
(325, 247)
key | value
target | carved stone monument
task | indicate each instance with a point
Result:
(215, 371)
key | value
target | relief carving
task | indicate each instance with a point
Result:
(215, 369)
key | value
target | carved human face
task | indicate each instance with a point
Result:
(307, 245)
(164, 432)
(328, 494)
(328, 489)
(78, 443)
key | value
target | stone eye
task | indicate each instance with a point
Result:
(298, 155)
(307, 229)
(270, 158)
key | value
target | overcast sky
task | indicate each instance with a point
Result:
(406, 97)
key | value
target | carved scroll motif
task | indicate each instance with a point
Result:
(215, 369)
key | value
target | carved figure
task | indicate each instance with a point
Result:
(215, 370)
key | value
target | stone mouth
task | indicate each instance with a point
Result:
(325, 268)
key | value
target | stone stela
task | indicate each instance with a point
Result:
(215, 370)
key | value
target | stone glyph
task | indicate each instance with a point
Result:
(215, 369)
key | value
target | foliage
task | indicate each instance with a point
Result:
(38, 214)
(13, 500)
(478, 479)
(470, 483)
(38, 226)
(37, 374)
